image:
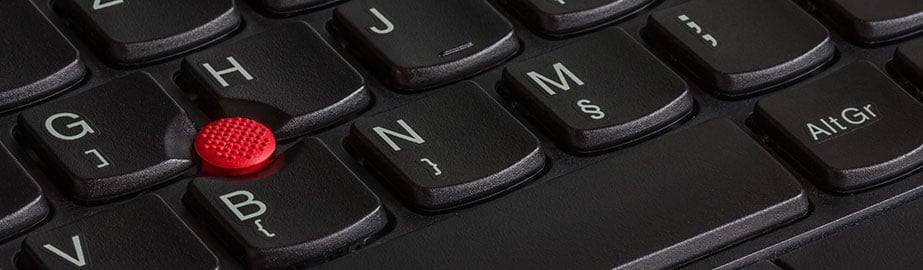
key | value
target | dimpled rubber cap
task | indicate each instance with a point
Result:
(234, 146)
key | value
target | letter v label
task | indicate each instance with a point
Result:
(80, 261)
(99, 4)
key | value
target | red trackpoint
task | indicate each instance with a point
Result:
(234, 146)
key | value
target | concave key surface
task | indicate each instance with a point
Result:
(22, 202)
(741, 46)
(875, 21)
(304, 206)
(288, 78)
(563, 17)
(661, 204)
(142, 234)
(36, 59)
(601, 91)
(131, 32)
(120, 137)
(422, 44)
(851, 130)
(451, 148)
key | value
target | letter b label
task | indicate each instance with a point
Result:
(246, 206)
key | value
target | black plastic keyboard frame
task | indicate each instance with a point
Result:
(828, 211)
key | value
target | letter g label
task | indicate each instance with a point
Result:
(82, 124)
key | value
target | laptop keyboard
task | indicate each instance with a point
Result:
(460, 134)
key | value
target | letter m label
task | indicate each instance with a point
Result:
(562, 83)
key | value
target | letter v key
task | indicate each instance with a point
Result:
(80, 261)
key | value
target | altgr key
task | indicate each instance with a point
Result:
(853, 129)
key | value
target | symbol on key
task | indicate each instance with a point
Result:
(260, 228)
(249, 200)
(698, 30)
(594, 111)
(102, 161)
(434, 166)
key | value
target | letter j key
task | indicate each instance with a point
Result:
(422, 44)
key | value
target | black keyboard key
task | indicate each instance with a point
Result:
(451, 148)
(742, 46)
(287, 78)
(875, 21)
(563, 17)
(853, 129)
(603, 90)
(422, 44)
(657, 206)
(143, 234)
(37, 60)
(22, 203)
(129, 32)
(284, 7)
(909, 61)
(887, 241)
(120, 137)
(307, 205)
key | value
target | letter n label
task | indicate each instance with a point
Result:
(411, 135)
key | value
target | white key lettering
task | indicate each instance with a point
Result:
(849, 119)
(389, 27)
(562, 83)
(249, 200)
(98, 4)
(412, 137)
(84, 127)
(235, 67)
(80, 261)
(99, 156)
